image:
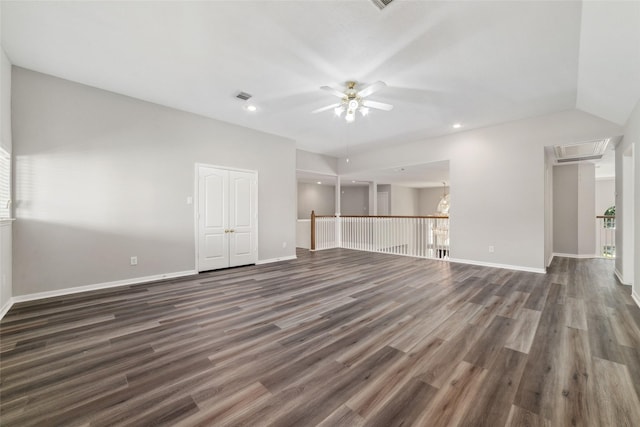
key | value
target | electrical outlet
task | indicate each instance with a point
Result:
(491, 249)
(134, 260)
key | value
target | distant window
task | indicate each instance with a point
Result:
(5, 184)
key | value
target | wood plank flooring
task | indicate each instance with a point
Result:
(334, 338)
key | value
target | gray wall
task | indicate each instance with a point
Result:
(318, 163)
(101, 177)
(354, 200)
(320, 198)
(493, 169)
(574, 209)
(404, 201)
(6, 291)
(428, 199)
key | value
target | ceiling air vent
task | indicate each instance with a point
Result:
(381, 3)
(591, 150)
(243, 95)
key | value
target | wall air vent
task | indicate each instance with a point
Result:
(590, 150)
(381, 3)
(244, 96)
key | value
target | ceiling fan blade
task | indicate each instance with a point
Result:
(328, 107)
(332, 91)
(368, 90)
(377, 105)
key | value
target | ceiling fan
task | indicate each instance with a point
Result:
(352, 100)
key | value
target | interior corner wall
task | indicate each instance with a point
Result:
(404, 201)
(497, 174)
(101, 177)
(319, 198)
(6, 227)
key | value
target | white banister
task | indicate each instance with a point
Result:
(423, 237)
(606, 235)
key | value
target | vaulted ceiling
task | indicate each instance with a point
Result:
(477, 63)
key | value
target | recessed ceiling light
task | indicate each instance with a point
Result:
(353, 182)
(319, 182)
(457, 125)
(251, 108)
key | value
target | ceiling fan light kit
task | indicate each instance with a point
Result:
(353, 100)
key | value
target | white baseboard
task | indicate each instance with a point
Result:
(581, 256)
(270, 260)
(619, 276)
(97, 286)
(7, 306)
(636, 298)
(550, 260)
(505, 266)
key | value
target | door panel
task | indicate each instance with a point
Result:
(227, 218)
(213, 211)
(242, 218)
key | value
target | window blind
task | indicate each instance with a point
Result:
(5, 184)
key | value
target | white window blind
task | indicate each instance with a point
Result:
(5, 184)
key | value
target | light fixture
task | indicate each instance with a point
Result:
(457, 125)
(350, 116)
(352, 100)
(443, 205)
(251, 108)
(319, 182)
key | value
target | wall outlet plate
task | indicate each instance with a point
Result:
(134, 260)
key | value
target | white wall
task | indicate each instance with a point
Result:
(6, 291)
(101, 177)
(320, 198)
(605, 194)
(404, 201)
(429, 198)
(494, 169)
(631, 136)
(354, 200)
(548, 207)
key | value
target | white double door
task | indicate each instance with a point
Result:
(227, 218)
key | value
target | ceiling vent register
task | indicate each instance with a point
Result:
(591, 150)
(244, 96)
(381, 3)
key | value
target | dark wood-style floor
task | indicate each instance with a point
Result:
(334, 338)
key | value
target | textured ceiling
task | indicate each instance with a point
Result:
(478, 63)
